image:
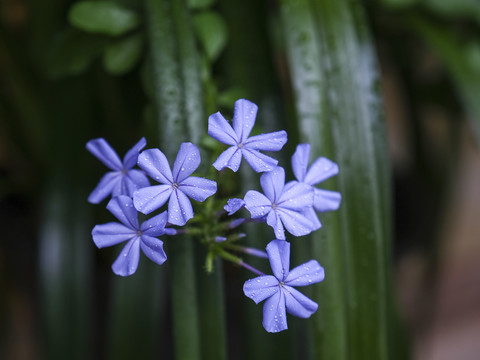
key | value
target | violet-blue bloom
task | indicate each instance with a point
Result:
(177, 185)
(320, 170)
(244, 116)
(277, 290)
(142, 236)
(233, 205)
(123, 179)
(284, 205)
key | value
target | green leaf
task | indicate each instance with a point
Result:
(120, 57)
(200, 4)
(455, 8)
(72, 53)
(212, 33)
(103, 17)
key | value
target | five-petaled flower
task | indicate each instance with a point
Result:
(278, 292)
(122, 180)
(240, 144)
(142, 236)
(177, 185)
(282, 205)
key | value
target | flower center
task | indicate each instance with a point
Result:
(240, 145)
(175, 186)
(280, 283)
(274, 206)
(139, 232)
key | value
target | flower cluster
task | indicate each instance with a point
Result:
(290, 206)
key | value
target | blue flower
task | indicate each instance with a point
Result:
(142, 236)
(278, 292)
(233, 205)
(282, 205)
(320, 170)
(177, 185)
(241, 145)
(122, 180)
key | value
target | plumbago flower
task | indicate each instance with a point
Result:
(177, 185)
(277, 290)
(123, 179)
(240, 144)
(142, 236)
(282, 205)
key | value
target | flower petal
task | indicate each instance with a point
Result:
(244, 116)
(233, 205)
(311, 215)
(221, 130)
(273, 141)
(298, 304)
(187, 161)
(179, 208)
(153, 249)
(155, 226)
(110, 234)
(151, 198)
(260, 288)
(156, 165)
(300, 161)
(102, 150)
(306, 274)
(272, 183)
(127, 262)
(134, 180)
(131, 157)
(122, 208)
(274, 220)
(198, 188)
(295, 222)
(279, 256)
(231, 158)
(296, 196)
(258, 161)
(326, 200)
(320, 170)
(105, 187)
(257, 203)
(274, 314)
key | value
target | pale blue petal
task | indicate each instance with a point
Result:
(326, 200)
(105, 187)
(296, 223)
(198, 188)
(179, 208)
(244, 116)
(298, 304)
(111, 234)
(122, 208)
(258, 161)
(155, 226)
(306, 274)
(279, 256)
(257, 203)
(260, 288)
(131, 157)
(320, 170)
(187, 161)
(272, 183)
(312, 216)
(233, 205)
(104, 152)
(156, 165)
(274, 220)
(221, 130)
(138, 179)
(273, 141)
(151, 198)
(300, 161)
(274, 314)
(296, 196)
(231, 158)
(127, 262)
(153, 249)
